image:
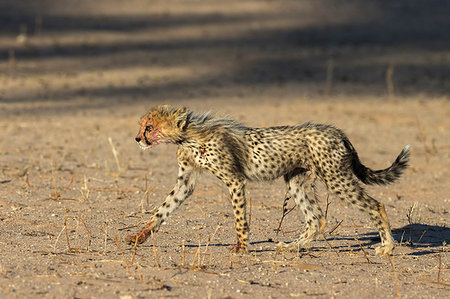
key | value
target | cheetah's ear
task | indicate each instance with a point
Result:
(181, 117)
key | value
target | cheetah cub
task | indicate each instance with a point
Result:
(236, 154)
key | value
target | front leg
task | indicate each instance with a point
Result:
(182, 190)
(237, 192)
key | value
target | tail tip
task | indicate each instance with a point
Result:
(404, 155)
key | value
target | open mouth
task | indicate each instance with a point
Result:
(144, 146)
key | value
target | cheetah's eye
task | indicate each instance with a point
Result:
(149, 127)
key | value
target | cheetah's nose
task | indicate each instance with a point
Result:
(138, 139)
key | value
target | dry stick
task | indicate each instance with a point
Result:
(139, 271)
(145, 194)
(423, 233)
(328, 243)
(27, 181)
(67, 235)
(85, 190)
(182, 254)
(196, 254)
(390, 82)
(435, 282)
(89, 232)
(106, 237)
(326, 209)
(54, 181)
(146, 189)
(84, 266)
(207, 243)
(335, 227)
(331, 231)
(439, 268)
(123, 256)
(424, 138)
(134, 250)
(113, 190)
(115, 154)
(11, 60)
(250, 212)
(397, 285)
(365, 254)
(154, 250)
(57, 238)
(285, 202)
(59, 195)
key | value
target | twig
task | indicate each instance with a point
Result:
(423, 136)
(182, 254)
(12, 61)
(135, 247)
(84, 190)
(196, 254)
(435, 282)
(67, 235)
(328, 243)
(364, 252)
(410, 214)
(423, 233)
(139, 271)
(154, 249)
(123, 256)
(146, 189)
(106, 237)
(146, 195)
(439, 268)
(250, 212)
(84, 266)
(115, 154)
(57, 238)
(207, 243)
(89, 232)
(55, 194)
(395, 276)
(128, 227)
(390, 82)
(27, 181)
(335, 227)
(114, 190)
(326, 209)
(67, 187)
(97, 277)
(285, 212)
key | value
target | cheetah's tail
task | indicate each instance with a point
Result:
(383, 176)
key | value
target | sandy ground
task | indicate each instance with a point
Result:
(76, 76)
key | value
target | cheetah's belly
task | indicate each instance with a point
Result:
(269, 164)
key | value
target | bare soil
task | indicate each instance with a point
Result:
(75, 76)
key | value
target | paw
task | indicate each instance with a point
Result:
(239, 248)
(291, 247)
(384, 250)
(139, 237)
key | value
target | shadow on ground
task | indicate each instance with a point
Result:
(411, 36)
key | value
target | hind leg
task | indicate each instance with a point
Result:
(303, 190)
(349, 191)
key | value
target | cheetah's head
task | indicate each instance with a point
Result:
(162, 124)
